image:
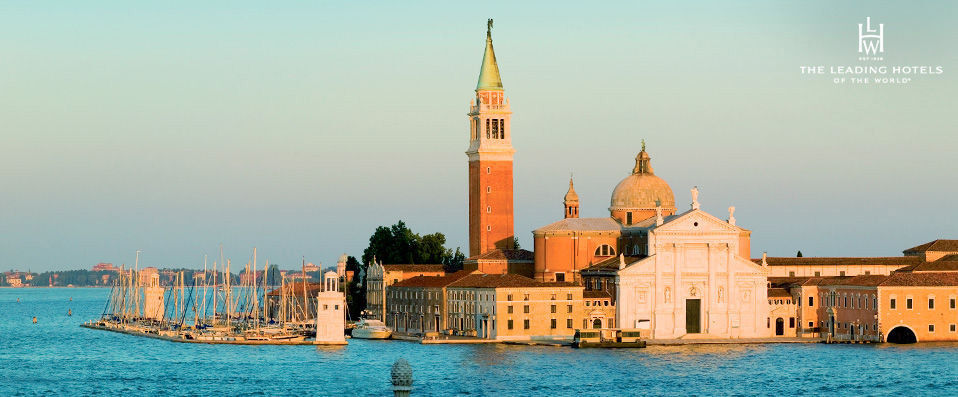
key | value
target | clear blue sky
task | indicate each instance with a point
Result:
(298, 128)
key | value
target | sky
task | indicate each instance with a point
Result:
(299, 127)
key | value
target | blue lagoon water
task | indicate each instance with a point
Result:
(57, 356)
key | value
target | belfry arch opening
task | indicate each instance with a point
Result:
(901, 335)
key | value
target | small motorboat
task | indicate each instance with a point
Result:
(371, 329)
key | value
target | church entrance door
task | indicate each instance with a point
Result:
(693, 316)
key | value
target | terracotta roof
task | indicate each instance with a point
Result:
(432, 281)
(838, 261)
(827, 280)
(778, 293)
(582, 224)
(941, 279)
(612, 263)
(936, 266)
(505, 255)
(413, 268)
(594, 294)
(784, 282)
(937, 245)
(948, 258)
(870, 280)
(478, 280)
(297, 289)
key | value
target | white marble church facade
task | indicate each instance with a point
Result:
(694, 283)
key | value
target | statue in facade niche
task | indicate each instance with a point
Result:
(668, 295)
(721, 291)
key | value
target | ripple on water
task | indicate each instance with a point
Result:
(56, 356)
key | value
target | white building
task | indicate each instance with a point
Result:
(330, 312)
(694, 281)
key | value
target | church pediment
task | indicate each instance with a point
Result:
(696, 221)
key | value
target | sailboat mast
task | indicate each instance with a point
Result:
(305, 302)
(255, 308)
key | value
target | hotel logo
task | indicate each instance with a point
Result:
(871, 41)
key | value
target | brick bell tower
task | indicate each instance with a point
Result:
(490, 161)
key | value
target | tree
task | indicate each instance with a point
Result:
(397, 244)
(515, 243)
(799, 255)
(453, 261)
(355, 289)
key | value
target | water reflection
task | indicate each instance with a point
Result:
(56, 356)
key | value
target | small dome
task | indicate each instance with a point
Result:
(641, 189)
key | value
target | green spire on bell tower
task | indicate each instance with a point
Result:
(489, 73)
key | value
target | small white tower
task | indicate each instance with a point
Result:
(330, 312)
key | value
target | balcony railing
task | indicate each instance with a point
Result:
(489, 108)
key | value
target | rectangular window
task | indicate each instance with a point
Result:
(502, 129)
(525, 297)
(525, 324)
(509, 324)
(931, 327)
(569, 309)
(553, 297)
(568, 297)
(509, 297)
(811, 324)
(568, 324)
(553, 308)
(841, 273)
(525, 308)
(509, 309)
(951, 328)
(908, 303)
(553, 324)
(892, 304)
(952, 303)
(585, 323)
(818, 274)
(811, 301)
(931, 303)
(791, 322)
(488, 134)
(495, 129)
(791, 274)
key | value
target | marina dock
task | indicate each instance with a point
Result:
(209, 342)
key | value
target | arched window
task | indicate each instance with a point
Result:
(604, 250)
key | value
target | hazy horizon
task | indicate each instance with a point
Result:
(175, 127)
